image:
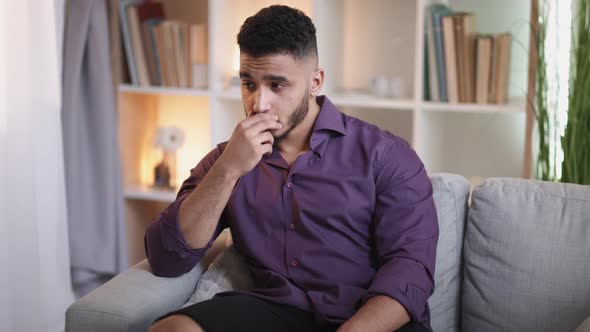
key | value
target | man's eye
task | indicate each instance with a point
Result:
(248, 85)
(277, 86)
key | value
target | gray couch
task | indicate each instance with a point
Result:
(516, 259)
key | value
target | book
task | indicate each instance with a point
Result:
(464, 27)
(149, 38)
(137, 46)
(437, 11)
(427, 86)
(483, 68)
(150, 14)
(501, 68)
(464, 41)
(198, 55)
(162, 54)
(186, 53)
(458, 27)
(198, 42)
(123, 4)
(493, 70)
(169, 53)
(431, 90)
(180, 80)
(470, 28)
(450, 57)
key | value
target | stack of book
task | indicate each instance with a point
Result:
(162, 52)
(463, 66)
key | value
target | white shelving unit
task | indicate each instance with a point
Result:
(357, 40)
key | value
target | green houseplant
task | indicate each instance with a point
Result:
(574, 143)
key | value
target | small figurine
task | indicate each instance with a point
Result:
(169, 139)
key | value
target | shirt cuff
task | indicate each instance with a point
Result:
(390, 282)
(167, 251)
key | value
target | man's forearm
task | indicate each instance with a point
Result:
(201, 210)
(380, 313)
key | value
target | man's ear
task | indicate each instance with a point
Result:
(317, 81)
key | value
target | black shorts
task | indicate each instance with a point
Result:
(236, 313)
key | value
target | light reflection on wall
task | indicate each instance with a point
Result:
(191, 115)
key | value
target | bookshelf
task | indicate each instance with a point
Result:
(475, 140)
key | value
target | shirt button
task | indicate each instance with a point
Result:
(290, 184)
(292, 226)
(294, 263)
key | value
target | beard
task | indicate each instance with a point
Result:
(296, 116)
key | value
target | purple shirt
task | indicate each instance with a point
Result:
(352, 218)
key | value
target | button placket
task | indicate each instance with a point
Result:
(290, 240)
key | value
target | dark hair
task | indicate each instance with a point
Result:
(278, 30)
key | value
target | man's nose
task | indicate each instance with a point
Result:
(261, 101)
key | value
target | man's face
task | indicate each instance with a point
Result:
(276, 84)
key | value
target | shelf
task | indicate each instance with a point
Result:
(513, 107)
(348, 100)
(345, 100)
(370, 101)
(147, 193)
(158, 90)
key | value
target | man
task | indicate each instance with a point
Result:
(334, 216)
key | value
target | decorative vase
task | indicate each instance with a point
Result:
(169, 140)
(164, 172)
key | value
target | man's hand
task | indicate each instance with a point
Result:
(249, 142)
(200, 212)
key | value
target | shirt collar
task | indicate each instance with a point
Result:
(329, 121)
(329, 118)
(275, 158)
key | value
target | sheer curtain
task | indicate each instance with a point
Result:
(35, 285)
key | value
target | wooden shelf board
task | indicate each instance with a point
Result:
(370, 101)
(148, 193)
(159, 90)
(348, 100)
(513, 107)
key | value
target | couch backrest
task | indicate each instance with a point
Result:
(526, 256)
(450, 194)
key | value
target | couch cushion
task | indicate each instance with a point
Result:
(450, 193)
(526, 256)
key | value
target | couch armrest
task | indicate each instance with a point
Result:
(131, 301)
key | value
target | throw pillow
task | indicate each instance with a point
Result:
(228, 271)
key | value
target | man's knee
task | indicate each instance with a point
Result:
(176, 323)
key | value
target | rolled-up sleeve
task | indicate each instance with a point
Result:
(405, 230)
(168, 254)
